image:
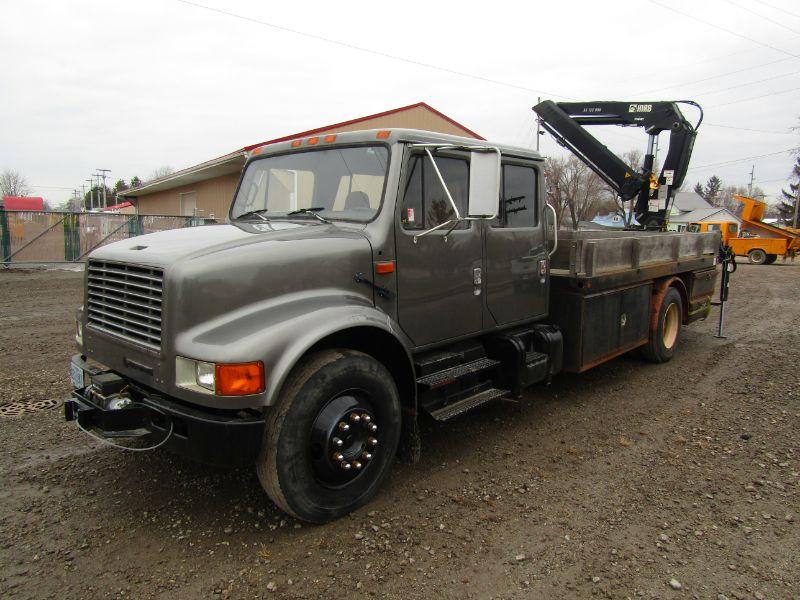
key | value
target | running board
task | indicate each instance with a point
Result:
(459, 408)
(441, 378)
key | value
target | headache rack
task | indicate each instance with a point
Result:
(125, 301)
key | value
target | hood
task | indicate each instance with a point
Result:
(164, 248)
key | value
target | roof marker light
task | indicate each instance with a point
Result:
(312, 141)
(296, 143)
(382, 135)
(257, 150)
(330, 138)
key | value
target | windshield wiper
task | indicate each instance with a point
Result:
(256, 212)
(309, 211)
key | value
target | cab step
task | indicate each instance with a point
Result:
(470, 402)
(452, 374)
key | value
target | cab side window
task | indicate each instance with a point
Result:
(425, 202)
(519, 205)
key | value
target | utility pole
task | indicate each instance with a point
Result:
(538, 125)
(91, 193)
(83, 196)
(102, 173)
(750, 185)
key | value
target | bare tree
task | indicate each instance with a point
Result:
(162, 171)
(13, 183)
(574, 187)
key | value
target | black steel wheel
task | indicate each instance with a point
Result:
(331, 438)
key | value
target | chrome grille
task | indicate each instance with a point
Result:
(125, 300)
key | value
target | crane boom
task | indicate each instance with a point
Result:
(566, 122)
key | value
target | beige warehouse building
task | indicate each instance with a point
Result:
(206, 190)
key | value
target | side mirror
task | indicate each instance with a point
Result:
(484, 185)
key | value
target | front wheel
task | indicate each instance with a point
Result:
(331, 438)
(664, 338)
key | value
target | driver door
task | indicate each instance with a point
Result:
(439, 282)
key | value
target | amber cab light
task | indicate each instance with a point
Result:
(312, 141)
(330, 138)
(257, 150)
(239, 379)
(296, 143)
(382, 135)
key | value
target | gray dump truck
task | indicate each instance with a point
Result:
(363, 279)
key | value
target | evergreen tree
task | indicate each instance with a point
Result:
(711, 190)
(788, 206)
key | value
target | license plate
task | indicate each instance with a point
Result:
(76, 375)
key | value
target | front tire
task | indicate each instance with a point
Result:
(664, 339)
(331, 438)
(757, 256)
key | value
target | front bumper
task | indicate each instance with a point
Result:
(220, 437)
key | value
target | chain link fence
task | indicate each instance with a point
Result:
(35, 237)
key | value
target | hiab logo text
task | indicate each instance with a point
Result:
(640, 108)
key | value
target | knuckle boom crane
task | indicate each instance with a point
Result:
(653, 193)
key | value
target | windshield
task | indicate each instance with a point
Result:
(336, 183)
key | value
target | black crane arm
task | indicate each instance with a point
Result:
(566, 121)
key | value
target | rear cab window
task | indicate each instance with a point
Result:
(519, 203)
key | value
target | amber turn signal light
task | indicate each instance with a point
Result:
(239, 379)
(382, 268)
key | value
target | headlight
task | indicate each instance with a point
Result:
(194, 375)
(204, 373)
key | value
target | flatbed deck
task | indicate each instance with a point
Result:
(593, 259)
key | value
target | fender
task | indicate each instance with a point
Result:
(660, 288)
(278, 332)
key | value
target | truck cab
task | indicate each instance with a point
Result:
(362, 279)
(728, 229)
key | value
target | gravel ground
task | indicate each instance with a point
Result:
(633, 480)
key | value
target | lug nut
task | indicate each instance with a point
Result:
(346, 466)
(373, 428)
(337, 442)
(366, 456)
(366, 418)
(344, 426)
(354, 417)
(338, 456)
(372, 441)
(356, 465)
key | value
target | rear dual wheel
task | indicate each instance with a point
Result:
(331, 438)
(664, 338)
(757, 256)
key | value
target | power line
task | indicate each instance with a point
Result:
(778, 8)
(715, 26)
(773, 62)
(738, 160)
(758, 14)
(366, 50)
(747, 129)
(755, 97)
(749, 83)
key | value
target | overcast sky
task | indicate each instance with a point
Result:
(131, 86)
